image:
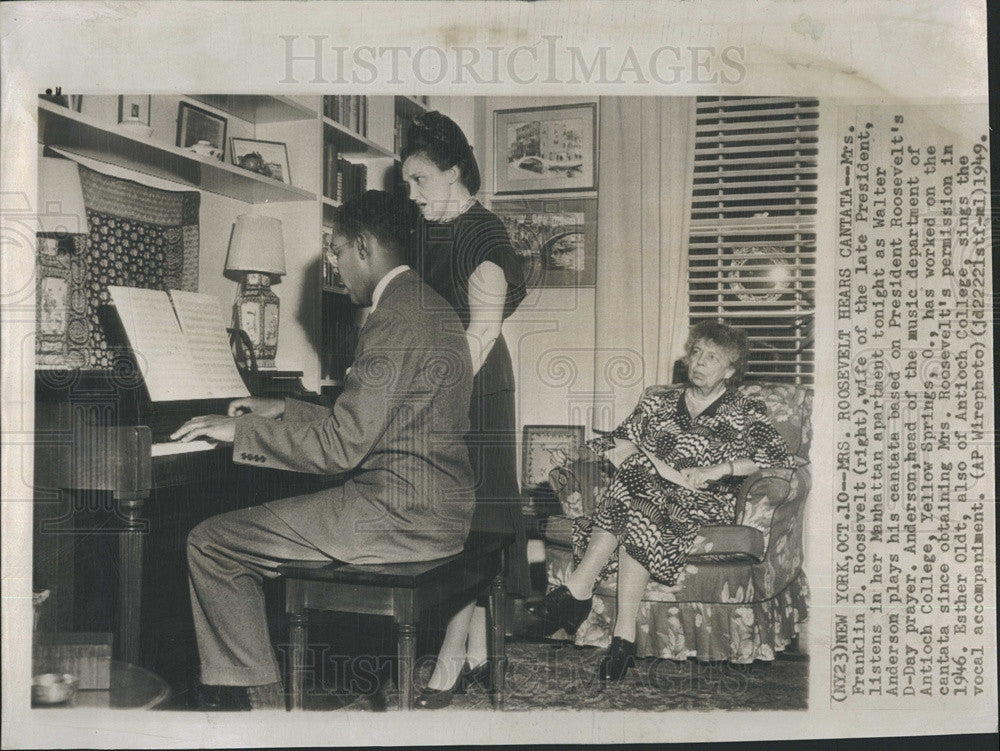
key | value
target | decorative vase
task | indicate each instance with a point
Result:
(256, 312)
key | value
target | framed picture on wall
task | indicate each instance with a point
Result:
(201, 131)
(132, 108)
(545, 149)
(545, 447)
(555, 239)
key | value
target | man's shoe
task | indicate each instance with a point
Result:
(267, 696)
(221, 698)
(559, 609)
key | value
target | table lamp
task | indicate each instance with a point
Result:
(61, 213)
(256, 254)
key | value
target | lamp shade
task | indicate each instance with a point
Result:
(256, 246)
(60, 197)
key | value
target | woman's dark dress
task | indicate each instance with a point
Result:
(448, 254)
(654, 519)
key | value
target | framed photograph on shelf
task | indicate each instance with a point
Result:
(268, 158)
(554, 238)
(545, 447)
(545, 149)
(132, 108)
(201, 131)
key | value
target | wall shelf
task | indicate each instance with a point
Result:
(256, 108)
(72, 134)
(410, 104)
(350, 143)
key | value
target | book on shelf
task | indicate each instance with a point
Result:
(330, 157)
(362, 181)
(399, 132)
(339, 181)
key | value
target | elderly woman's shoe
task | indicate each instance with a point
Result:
(559, 609)
(617, 662)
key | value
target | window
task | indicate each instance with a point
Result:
(752, 251)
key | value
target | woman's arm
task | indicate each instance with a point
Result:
(701, 477)
(487, 294)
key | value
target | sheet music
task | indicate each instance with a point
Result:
(158, 343)
(202, 323)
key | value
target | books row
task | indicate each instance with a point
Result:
(342, 179)
(350, 110)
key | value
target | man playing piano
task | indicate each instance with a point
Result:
(395, 433)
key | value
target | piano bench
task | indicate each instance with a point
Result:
(404, 591)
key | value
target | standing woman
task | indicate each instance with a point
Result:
(463, 252)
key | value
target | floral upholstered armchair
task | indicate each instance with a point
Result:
(742, 592)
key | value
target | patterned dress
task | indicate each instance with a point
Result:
(655, 520)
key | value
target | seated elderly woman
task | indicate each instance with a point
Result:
(679, 458)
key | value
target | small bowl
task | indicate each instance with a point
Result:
(53, 688)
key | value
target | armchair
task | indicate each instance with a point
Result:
(742, 592)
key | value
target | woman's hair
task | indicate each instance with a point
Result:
(391, 218)
(438, 138)
(728, 338)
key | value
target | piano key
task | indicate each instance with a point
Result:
(180, 447)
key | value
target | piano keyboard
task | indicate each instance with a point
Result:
(180, 447)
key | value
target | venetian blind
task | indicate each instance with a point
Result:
(752, 251)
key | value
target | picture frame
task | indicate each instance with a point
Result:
(268, 158)
(195, 125)
(134, 108)
(545, 149)
(555, 239)
(545, 447)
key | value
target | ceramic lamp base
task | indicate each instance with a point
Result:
(256, 312)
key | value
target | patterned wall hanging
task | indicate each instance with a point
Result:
(138, 237)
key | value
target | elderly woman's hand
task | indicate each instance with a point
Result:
(702, 477)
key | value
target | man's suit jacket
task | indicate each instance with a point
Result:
(395, 433)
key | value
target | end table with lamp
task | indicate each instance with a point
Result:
(256, 259)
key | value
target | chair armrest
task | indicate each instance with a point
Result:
(770, 497)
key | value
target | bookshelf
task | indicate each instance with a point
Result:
(258, 108)
(364, 136)
(361, 146)
(74, 134)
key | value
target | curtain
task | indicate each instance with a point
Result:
(645, 166)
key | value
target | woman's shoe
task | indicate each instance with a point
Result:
(559, 609)
(435, 698)
(617, 662)
(481, 676)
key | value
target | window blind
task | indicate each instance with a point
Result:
(752, 250)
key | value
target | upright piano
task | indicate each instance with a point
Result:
(102, 452)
